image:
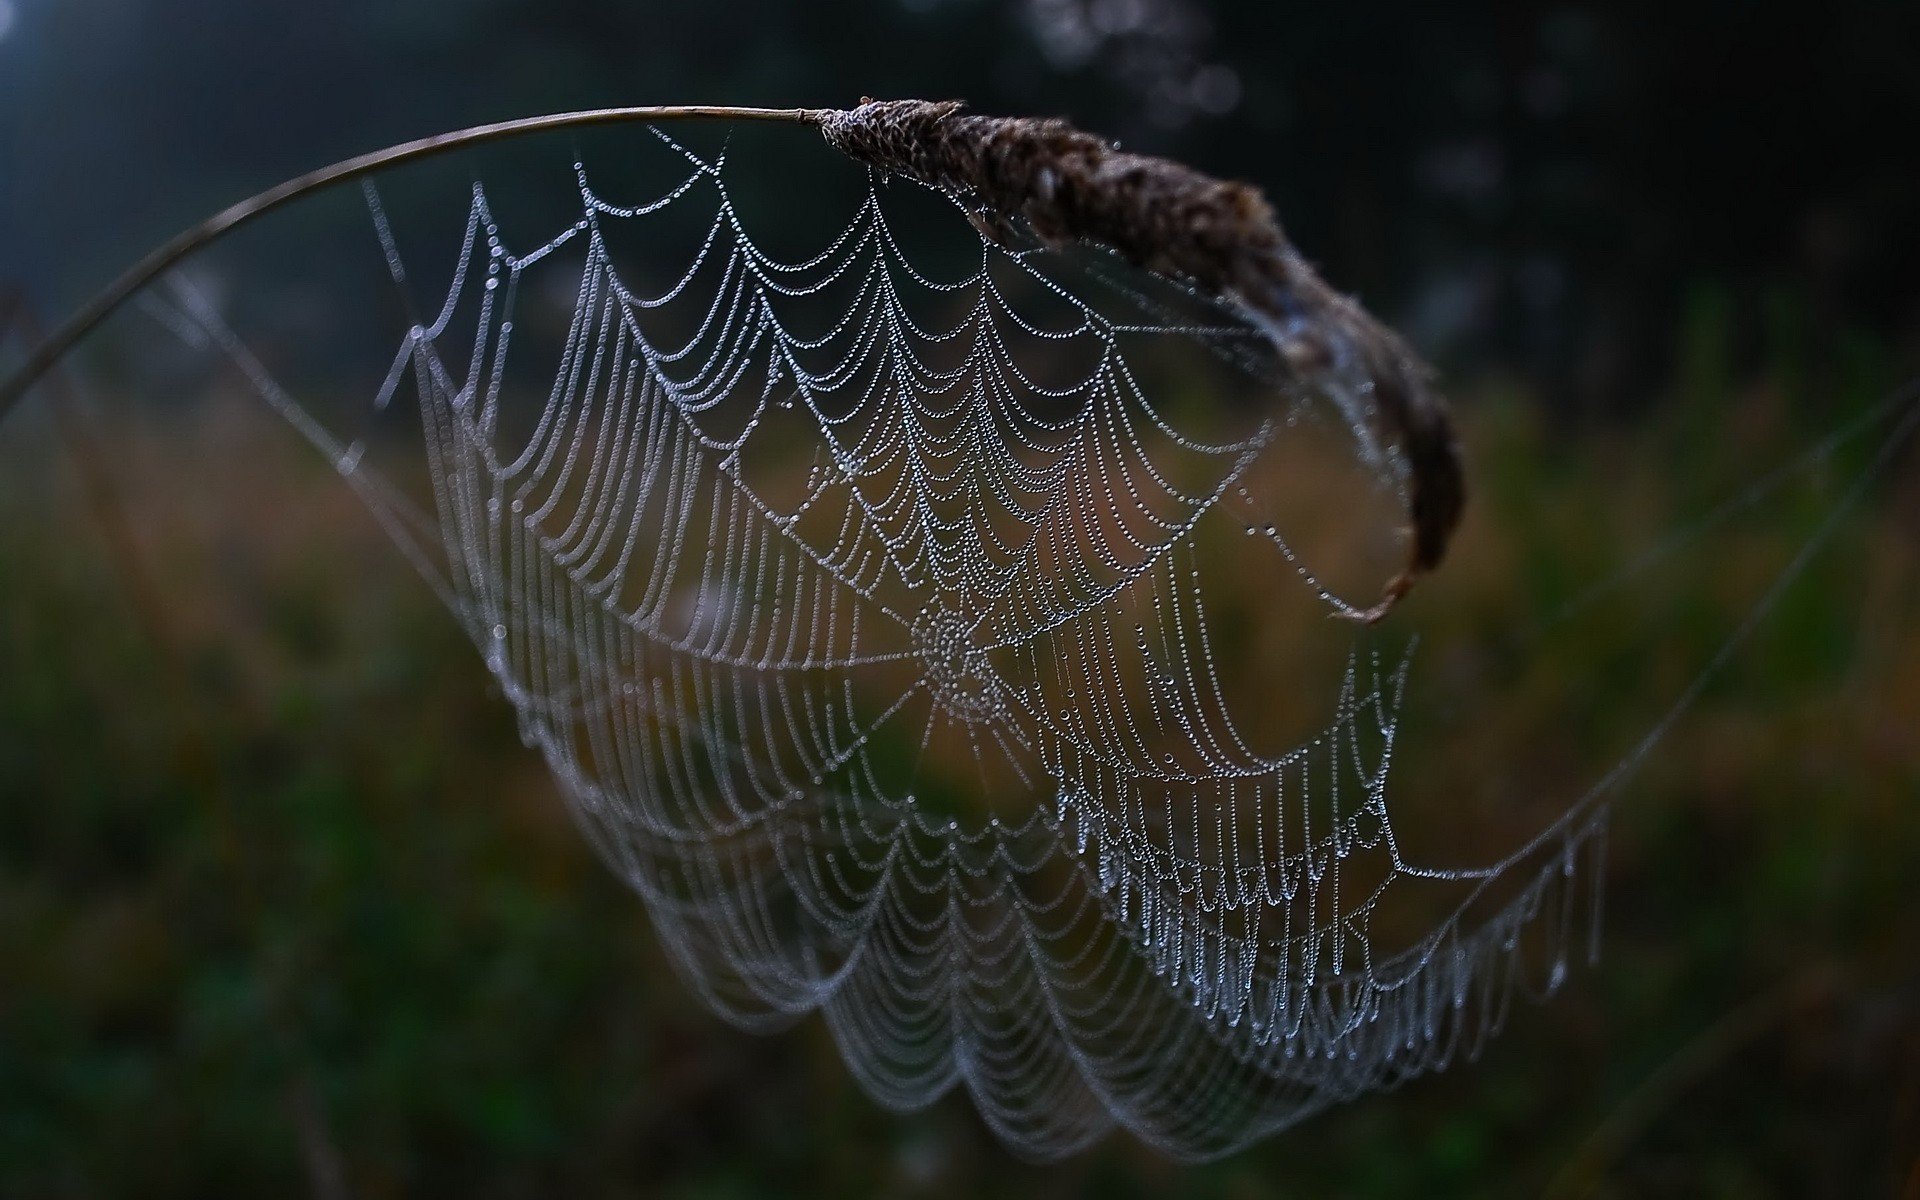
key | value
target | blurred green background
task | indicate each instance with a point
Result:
(286, 908)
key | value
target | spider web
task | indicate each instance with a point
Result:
(878, 626)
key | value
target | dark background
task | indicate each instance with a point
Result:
(251, 941)
(1537, 187)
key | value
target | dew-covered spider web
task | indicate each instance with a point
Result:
(896, 612)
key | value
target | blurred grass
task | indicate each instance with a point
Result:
(285, 907)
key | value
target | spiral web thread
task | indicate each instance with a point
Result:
(928, 734)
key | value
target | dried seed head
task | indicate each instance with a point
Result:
(1219, 235)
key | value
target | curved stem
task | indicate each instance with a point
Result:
(89, 316)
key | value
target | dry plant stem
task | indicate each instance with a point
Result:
(107, 301)
(1069, 186)
(1222, 236)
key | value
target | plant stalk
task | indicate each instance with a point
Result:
(106, 302)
